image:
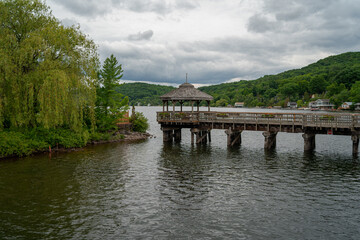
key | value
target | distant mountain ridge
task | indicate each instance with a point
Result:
(336, 77)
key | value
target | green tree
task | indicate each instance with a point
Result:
(111, 105)
(338, 99)
(221, 103)
(47, 70)
(355, 92)
(334, 89)
(290, 90)
(317, 84)
(139, 122)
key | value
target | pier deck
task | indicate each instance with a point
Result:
(310, 124)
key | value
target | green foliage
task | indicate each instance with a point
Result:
(110, 105)
(47, 70)
(61, 137)
(17, 144)
(355, 92)
(221, 103)
(143, 93)
(139, 122)
(25, 142)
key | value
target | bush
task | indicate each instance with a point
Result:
(16, 143)
(22, 142)
(139, 122)
(63, 137)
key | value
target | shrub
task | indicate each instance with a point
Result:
(16, 143)
(224, 115)
(139, 122)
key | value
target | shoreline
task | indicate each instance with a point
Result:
(128, 137)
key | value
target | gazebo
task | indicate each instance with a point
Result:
(185, 93)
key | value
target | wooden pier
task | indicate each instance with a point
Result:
(309, 124)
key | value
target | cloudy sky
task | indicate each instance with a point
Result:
(214, 41)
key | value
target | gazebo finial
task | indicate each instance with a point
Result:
(186, 78)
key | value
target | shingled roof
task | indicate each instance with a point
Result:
(186, 92)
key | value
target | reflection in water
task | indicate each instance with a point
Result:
(184, 174)
(164, 191)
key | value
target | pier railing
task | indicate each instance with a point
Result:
(329, 120)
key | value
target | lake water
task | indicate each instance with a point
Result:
(151, 190)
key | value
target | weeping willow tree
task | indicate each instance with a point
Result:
(47, 70)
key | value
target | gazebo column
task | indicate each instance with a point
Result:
(167, 106)
(208, 102)
(174, 102)
(181, 105)
(198, 105)
(163, 106)
(192, 106)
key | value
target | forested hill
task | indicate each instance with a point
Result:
(143, 93)
(335, 77)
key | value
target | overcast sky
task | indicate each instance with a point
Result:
(214, 41)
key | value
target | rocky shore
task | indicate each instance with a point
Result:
(126, 136)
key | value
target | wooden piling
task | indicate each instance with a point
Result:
(355, 148)
(270, 140)
(309, 141)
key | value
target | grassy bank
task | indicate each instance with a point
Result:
(21, 142)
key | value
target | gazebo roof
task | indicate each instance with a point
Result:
(186, 92)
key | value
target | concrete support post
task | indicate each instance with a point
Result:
(233, 137)
(309, 141)
(355, 140)
(270, 140)
(167, 135)
(209, 135)
(177, 135)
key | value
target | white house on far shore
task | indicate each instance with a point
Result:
(346, 105)
(239, 104)
(292, 105)
(322, 104)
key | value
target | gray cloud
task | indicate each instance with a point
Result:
(93, 8)
(261, 24)
(207, 62)
(141, 36)
(282, 35)
(89, 8)
(69, 22)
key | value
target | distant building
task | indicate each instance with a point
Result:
(292, 105)
(312, 104)
(324, 104)
(346, 105)
(239, 104)
(357, 106)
